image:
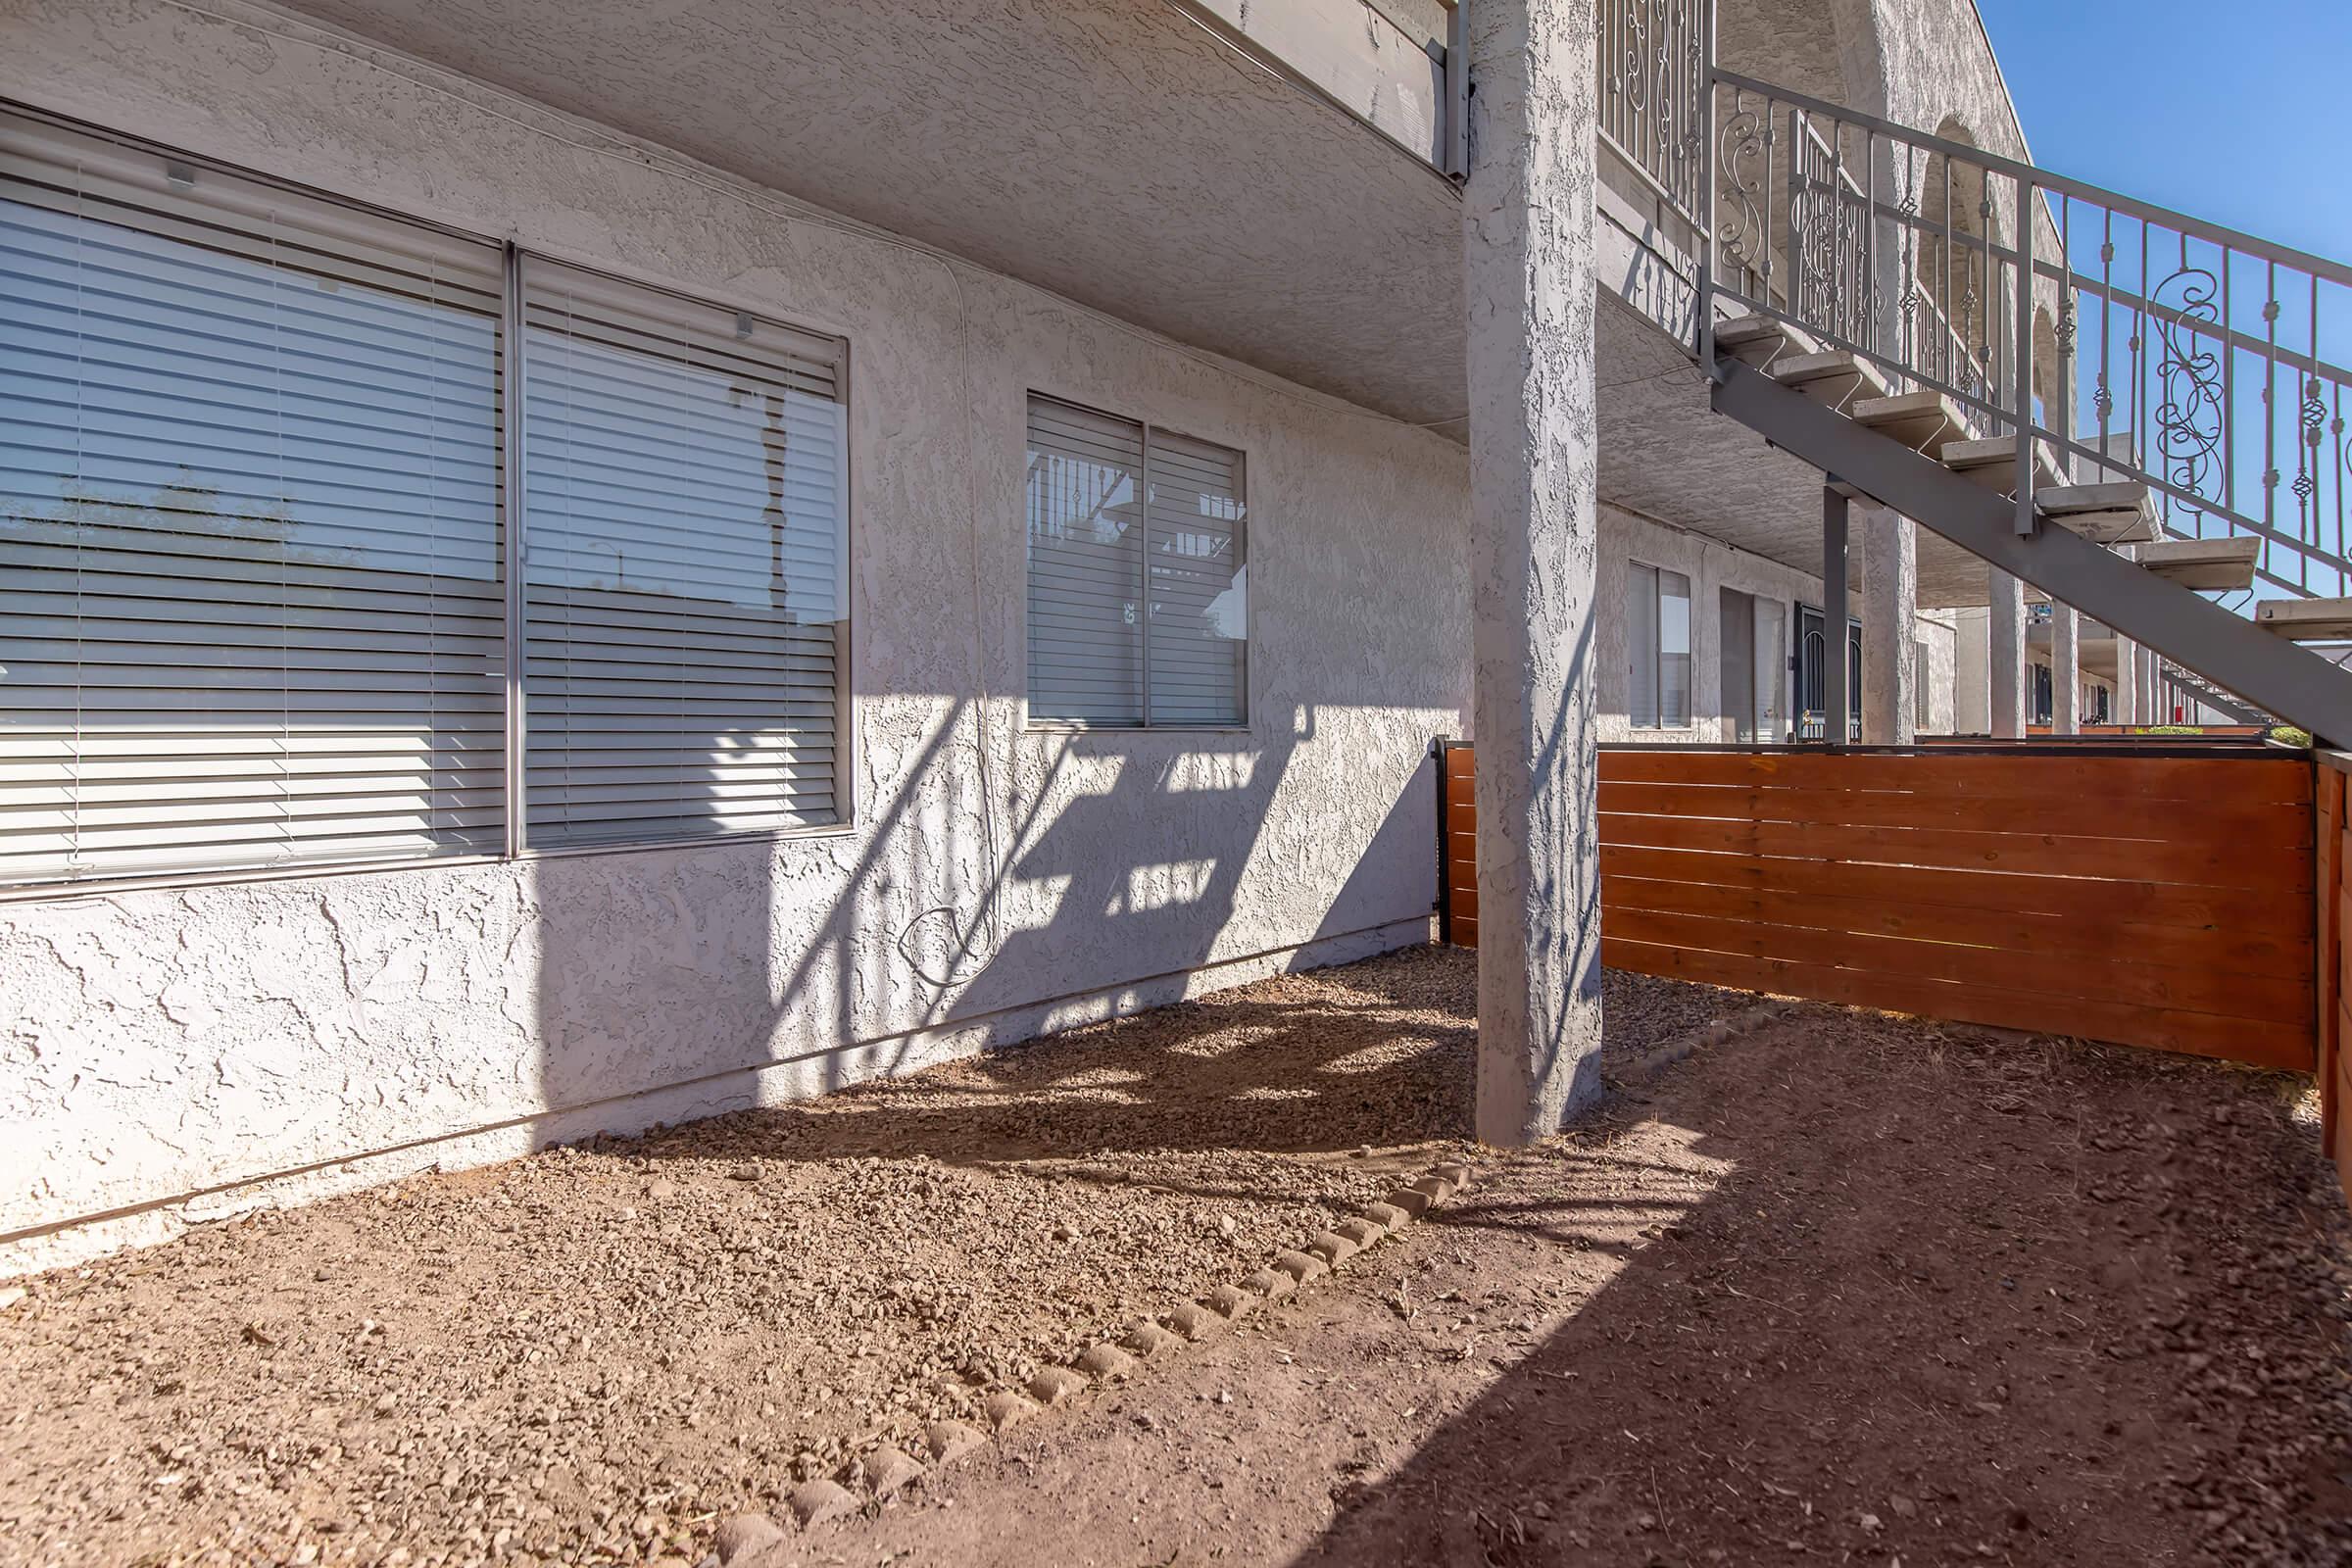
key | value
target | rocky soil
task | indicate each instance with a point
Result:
(1844, 1289)
(594, 1353)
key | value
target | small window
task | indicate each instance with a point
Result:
(1138, 610)
(1658, 680)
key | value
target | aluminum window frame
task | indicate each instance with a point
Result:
(1031, 722)
(1690, 585)
(848, 752)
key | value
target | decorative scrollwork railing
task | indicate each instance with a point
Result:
(2112, 337)
(1653, 91)
(2123, 340)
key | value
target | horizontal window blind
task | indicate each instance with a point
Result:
(1085, 539)
(1642, 646)
(1198, 646)
(1138, 588)
(251, 600)
(685, 498)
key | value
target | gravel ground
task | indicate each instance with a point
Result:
(594, 1353)
(1846, 1290)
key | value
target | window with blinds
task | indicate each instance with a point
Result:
(1657, 648)
(1138, 574)
(685, 511)
(251, 597)
(254, 598)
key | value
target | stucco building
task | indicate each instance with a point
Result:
(571, 565)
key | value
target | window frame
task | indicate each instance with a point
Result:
(1657, 723)
(1031, 722)
(849, 751)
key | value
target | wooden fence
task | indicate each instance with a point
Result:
(2333, 920)
(2150, 895)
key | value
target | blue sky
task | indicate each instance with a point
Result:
(2227, 110)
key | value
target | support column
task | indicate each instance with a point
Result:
(2066, 669)
(2127, 667)
(1889, 627)
(2151, 682)
(1529, 277)
(2005, 655)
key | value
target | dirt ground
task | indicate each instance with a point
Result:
(1844, 1289)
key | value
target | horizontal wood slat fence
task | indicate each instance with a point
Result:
(2159, 896)
(2333, 919)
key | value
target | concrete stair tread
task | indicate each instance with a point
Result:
(2112, 513)
(1926, 421)
(1991, 461)
(2065, 500)
(2306, 620)
(1834, 376)
(2205, 565)
(1759, 340)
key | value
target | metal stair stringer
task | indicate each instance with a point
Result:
(2190, 630)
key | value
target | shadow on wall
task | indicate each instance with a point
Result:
(1119, 859)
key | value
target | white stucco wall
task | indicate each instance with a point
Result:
(246, 1041)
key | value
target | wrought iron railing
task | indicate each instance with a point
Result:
(1655, 57)
(2128, 341)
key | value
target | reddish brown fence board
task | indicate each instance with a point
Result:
(2332, 919)
(2160, 895)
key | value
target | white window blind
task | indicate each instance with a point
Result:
(251, 599)
(1674, 650)
(1659, 648)
(685, 507)
(1642, 646)
(1137, 574)
(1199, 626)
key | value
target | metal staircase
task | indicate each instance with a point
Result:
(2137, 412)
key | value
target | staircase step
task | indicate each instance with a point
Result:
(2205, 565)
(1837, 377)
(2306, 620)
(2109, 514)
(1758, 340)
(1926, 422)
(1992, 463)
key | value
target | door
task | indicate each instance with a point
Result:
(1812, 672)
(1736, 618)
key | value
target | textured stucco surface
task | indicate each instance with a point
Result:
(2066, 669)
(1529, 277)
(169, 1042)
(2005, 655)
(1889, 616)
(260, 1038)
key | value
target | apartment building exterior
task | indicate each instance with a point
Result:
(569, 566)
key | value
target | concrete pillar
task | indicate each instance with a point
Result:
(1972, 704)
(1529, 278)
(2005, 655)
(1837, 595)
(2066, 669)
(2151, 682)
(2128, 708)
(1889, 627)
